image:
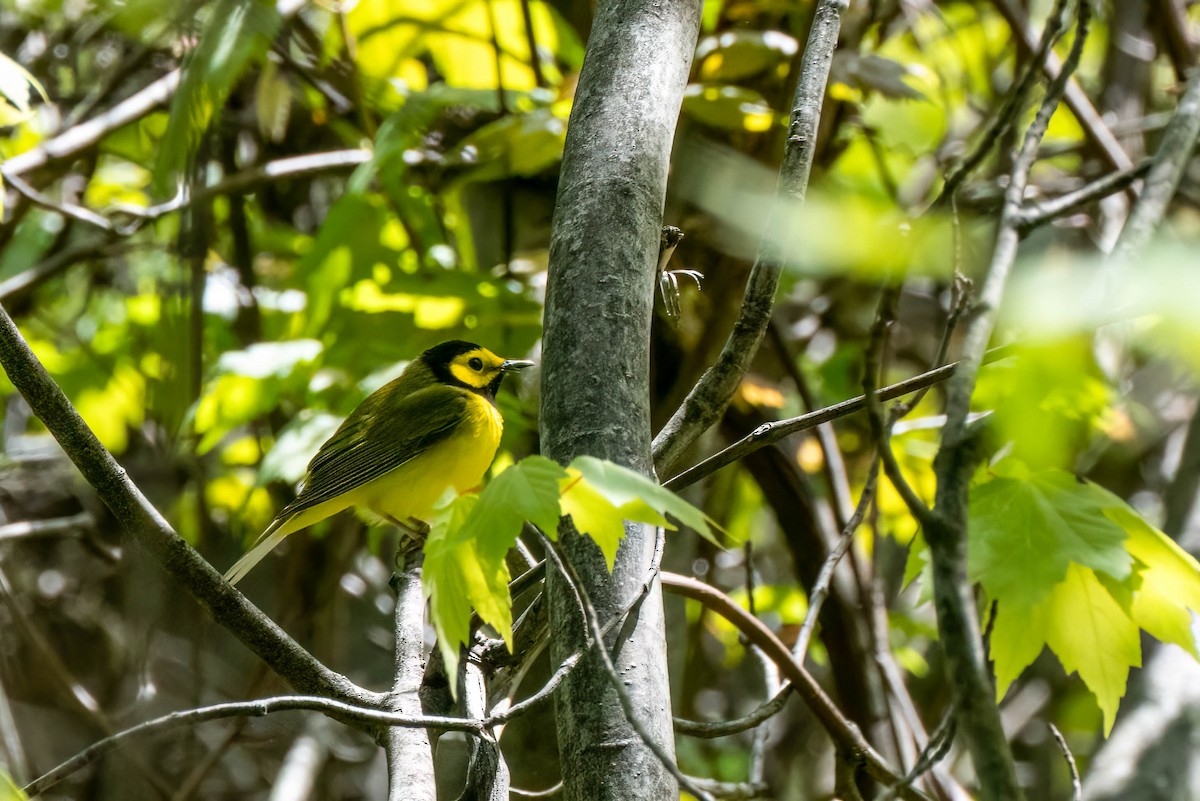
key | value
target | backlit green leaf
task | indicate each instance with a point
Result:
(9, 791)
(1169, 582)
(623, 487)
(1115, 574)
(1025, 530)
(456, 580)
(1083, 625)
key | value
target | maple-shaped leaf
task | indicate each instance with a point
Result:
(1027, 527)
(1085, 627)
(1118, 575)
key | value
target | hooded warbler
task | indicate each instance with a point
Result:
(434, 427)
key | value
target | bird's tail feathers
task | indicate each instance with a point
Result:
(265, 543)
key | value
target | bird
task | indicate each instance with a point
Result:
(434, 427)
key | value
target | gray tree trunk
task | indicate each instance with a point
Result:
(595, 373)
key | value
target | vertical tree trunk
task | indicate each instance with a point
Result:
(595, 372)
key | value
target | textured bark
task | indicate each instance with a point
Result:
(410, 760)
(595, 373)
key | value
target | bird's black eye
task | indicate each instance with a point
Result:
(476, 364)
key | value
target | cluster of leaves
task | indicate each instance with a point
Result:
(470, 535)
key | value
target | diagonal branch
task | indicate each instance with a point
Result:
(844, 733)
(79, 138)
(770, 433)
(1076, 99)
(707, 400)
(595, 633)
(150, 530)
(1166, 170)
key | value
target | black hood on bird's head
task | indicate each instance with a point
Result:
(441, 355)
(438, 360)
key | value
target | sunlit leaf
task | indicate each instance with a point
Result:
(17, 91)
(9, 791)
(1026, 528)
(1071, 567)
(1085, 627)
(729, 107)
(452, 574)
(469, 538)
(737, 54)
(1169, 589)
(465, 553)
(624, 488)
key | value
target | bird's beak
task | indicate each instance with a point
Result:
(511, 365)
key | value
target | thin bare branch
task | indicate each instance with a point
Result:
(263, 706)
(1012, 107)
(708, 398)
(1076, 785)
(1094, 127)
(79, 138)
(770, 433)
(820, 588)
(567, 665)
(1166, 170)
(880, 426)
(596, 632)
(1033, 215)
(239, 182)
(724, 728)
(844, 733)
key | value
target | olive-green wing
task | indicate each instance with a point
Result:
(384, 433)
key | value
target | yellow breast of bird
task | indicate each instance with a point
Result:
(459, 461)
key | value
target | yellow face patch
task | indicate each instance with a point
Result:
(476, 368)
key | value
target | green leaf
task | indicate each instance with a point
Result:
(516, 145)
(9, 791)
(644, 499)
(1026, 529)
(528, 490)
(454, 577)
(735, 54)
(1083, 625)
(237, 35)
(595, 515)
(471, 535)
(733, 108)
(1118, 574)
(469, 538)
(1169, 582)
